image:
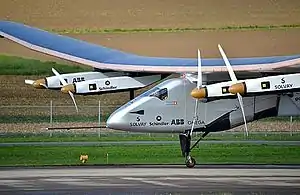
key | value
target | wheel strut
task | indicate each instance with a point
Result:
(185, 143)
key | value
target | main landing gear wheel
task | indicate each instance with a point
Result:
(190, 162)
(185, 143)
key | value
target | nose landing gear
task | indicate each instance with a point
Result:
(190, 162)
(185, 143)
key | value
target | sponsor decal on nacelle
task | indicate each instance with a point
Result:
(283, 85)
(106, 88)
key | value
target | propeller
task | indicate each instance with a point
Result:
(38, 84)
(234, 79)
(64, 83)
(199, 84)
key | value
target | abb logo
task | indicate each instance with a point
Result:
(177, 122)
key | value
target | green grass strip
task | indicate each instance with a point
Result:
(67, 136)
(164, 154)
(137, 30)
(12, 65)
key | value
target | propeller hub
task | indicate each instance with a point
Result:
(237, 88)
(199, 93)
(67, 88)
(39, 84)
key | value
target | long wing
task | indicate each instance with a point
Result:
(105, 58)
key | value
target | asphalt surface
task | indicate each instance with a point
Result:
(258, 142)
(152, 180)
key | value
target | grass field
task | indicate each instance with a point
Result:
(123, 136)
(154, 28)
(13, 65)
(168, 30)
(164, 154)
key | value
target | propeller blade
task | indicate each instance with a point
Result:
(233, 78)
(64, 83)
(243, 112)
(29, 82)
(229, 67)
(62, 80)
(72, 96)
(199, 83)
(194, 120)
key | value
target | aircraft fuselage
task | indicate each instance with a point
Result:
(169, 107)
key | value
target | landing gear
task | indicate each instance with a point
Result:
(185, 144)
(190, 162)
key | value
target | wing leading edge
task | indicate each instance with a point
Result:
(105, 58)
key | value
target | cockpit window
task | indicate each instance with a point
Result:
(161, 94)
(155, 90)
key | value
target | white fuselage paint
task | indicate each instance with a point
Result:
(115, 84)
(176, 112)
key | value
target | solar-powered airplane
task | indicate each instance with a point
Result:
(203, 99)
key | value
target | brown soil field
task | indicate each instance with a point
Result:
(72, 14)
(149, 14)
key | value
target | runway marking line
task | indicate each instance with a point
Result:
(146, 180)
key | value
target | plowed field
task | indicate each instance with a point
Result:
(134, 14)
(149, 14)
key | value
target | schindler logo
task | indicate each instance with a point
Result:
(107, 88)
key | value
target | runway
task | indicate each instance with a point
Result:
(151, 180)
(101, 143)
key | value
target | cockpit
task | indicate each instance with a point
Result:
(152, 110)
(161, 94)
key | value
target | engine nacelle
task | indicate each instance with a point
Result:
(271, 84)
(53, 82)
(111, 84)
(267, 84)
